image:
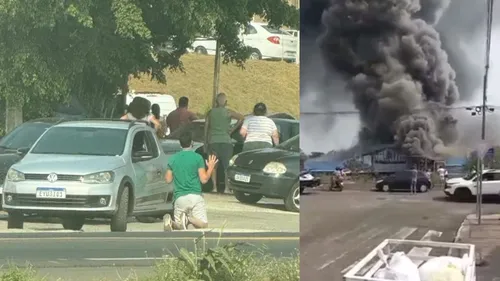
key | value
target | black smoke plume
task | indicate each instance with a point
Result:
(397, 71)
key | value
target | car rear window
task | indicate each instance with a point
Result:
(274, 30)
(82, 141)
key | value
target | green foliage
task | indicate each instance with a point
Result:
(491, 162)
(52, 49)
(224, 263)
(19, 274)
(228, 262)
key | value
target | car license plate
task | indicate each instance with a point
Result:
(51, 192)
(242, 178)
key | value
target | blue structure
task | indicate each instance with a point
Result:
(322, 166)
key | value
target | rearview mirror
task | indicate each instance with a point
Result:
(141, 156)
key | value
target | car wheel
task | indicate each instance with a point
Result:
(462, 194)
(145, 219)
(201, 50)
(423, 188)
(386, 188)
(15, 220)
(255, 55)
(75, 223)
(119, 219)
(292, 201)
(247, 198)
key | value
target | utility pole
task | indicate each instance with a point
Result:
(297, 56)
(216, 72)
(489, 20)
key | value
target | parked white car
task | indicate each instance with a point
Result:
(466, 187)
(266, 42)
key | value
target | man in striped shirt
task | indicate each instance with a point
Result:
(258, 130)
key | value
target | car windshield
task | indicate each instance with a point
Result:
(24, 135)
(197, 130)
(82, 141)
(469, 176)
(292, 144)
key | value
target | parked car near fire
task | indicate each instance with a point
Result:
(308, 181)
(270, 172)
(402, 181)
(465, 188)
(90, 169)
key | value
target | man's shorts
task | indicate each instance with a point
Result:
(193, 204)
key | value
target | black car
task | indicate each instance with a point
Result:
(269, 172)
(14, 145)
(287, 128)
(402, 181)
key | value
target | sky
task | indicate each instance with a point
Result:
(324, 133)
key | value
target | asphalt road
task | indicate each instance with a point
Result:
(67, 254)
(339, 228)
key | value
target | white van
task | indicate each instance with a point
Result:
(266, 42)
(166, 102)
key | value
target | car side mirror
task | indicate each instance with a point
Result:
(23, 150)
(139, 156)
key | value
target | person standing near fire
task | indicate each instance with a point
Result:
(414, 178)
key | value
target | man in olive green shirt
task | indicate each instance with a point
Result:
(187, 170)
(218, 137)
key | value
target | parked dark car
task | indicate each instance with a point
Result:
(15, 144)
(402, 181)
(270, 172)
(287, 128)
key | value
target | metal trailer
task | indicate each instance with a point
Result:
(419, 253)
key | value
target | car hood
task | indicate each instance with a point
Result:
(258, 159)
(68, 164)
(6, 161)
(455, 180)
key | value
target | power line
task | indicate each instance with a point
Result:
(352, 112)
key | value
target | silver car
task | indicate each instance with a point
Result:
(90, 168)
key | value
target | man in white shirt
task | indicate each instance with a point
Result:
(442, 173)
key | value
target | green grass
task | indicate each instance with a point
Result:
(271, 82)
(223, 263)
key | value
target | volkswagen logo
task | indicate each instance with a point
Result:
(52, 177)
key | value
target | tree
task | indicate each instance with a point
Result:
(489, 161)
(54, 49)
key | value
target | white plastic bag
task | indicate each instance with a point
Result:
(441, 267)
(400, 268)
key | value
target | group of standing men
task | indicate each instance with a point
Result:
(187, 169)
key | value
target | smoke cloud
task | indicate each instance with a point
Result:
(397, 71)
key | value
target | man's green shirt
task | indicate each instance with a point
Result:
(184, 166)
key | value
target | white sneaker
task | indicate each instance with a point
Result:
(167, 223)
(184, 221)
